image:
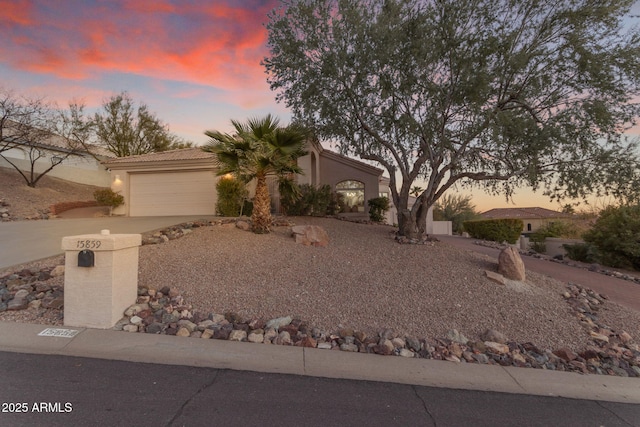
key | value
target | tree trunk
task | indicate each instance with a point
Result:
(261, 217)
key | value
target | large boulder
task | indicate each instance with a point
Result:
(310, 235)
(510, 264)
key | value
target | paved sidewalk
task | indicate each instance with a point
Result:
(621, 291)
(171, 350)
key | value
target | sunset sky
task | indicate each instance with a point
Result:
(196, 64)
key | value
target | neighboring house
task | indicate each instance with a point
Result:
(80, 166)
(532, 218)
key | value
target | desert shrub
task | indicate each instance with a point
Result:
(108, 197)
(583, 252)
(307, 199)
(377, 208)
(231, 195)
(457, 209)
(497, 230)
(616, 235)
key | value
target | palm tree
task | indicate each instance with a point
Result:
(259, 147)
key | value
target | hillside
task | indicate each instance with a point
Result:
(25, 202)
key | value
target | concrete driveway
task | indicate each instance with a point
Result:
(26, 241)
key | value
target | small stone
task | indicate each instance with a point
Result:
(270, 334)
(493, 336)
(346, 332)
(599, 337)
(57, 271)
(21, 294)
(398, 343)
(183, 332)
(154, 328)
(496, 347)
(406, 353)
(206, 334)
(308, 342)
(625, 337)
(256, 336)
(237, 335)
(565, 354)
(414, 344)
(325, 345)
(35, 304)
(349, 347)
(456, 336)
(136, 320)
(243, 225)
(130, 328)
(17, 304)
(496, 277)
(279, 322)
(191, 327)
(452, 358)
(283, 338)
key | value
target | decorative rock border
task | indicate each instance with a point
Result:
(607, 353)
(164, 311)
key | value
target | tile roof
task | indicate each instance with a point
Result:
(179, 154)
(530, 213)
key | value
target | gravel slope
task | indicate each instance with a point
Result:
(366, 281)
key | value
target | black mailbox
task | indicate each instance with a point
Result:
(85, 258)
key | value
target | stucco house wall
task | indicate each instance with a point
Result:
(335, 169)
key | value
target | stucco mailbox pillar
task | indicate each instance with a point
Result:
(101, 278)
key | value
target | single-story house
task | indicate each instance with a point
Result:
(182, 182)
(71, 164)
(532, 218)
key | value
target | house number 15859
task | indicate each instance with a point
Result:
(88, 244)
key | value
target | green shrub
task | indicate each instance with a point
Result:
(108, 197)
(231, 196)
(377, 208)
(616, 235)
(583, 252)
(306, 199)
(497, 230)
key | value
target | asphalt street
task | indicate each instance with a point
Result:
(64, 391)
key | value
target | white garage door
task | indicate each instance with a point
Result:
(172, 193)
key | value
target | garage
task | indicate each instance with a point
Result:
(169, 193)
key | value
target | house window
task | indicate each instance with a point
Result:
(529, 227)
(352, 195)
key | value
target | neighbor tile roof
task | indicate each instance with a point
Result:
(179, 154)
(530, 213)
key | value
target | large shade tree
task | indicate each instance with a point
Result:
(258, 148)
(495, 93)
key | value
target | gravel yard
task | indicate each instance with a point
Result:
(363, 280)
(366, 281)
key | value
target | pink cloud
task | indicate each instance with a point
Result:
(15, 12)
(218, 45)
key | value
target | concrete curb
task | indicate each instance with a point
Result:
(170, 350)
